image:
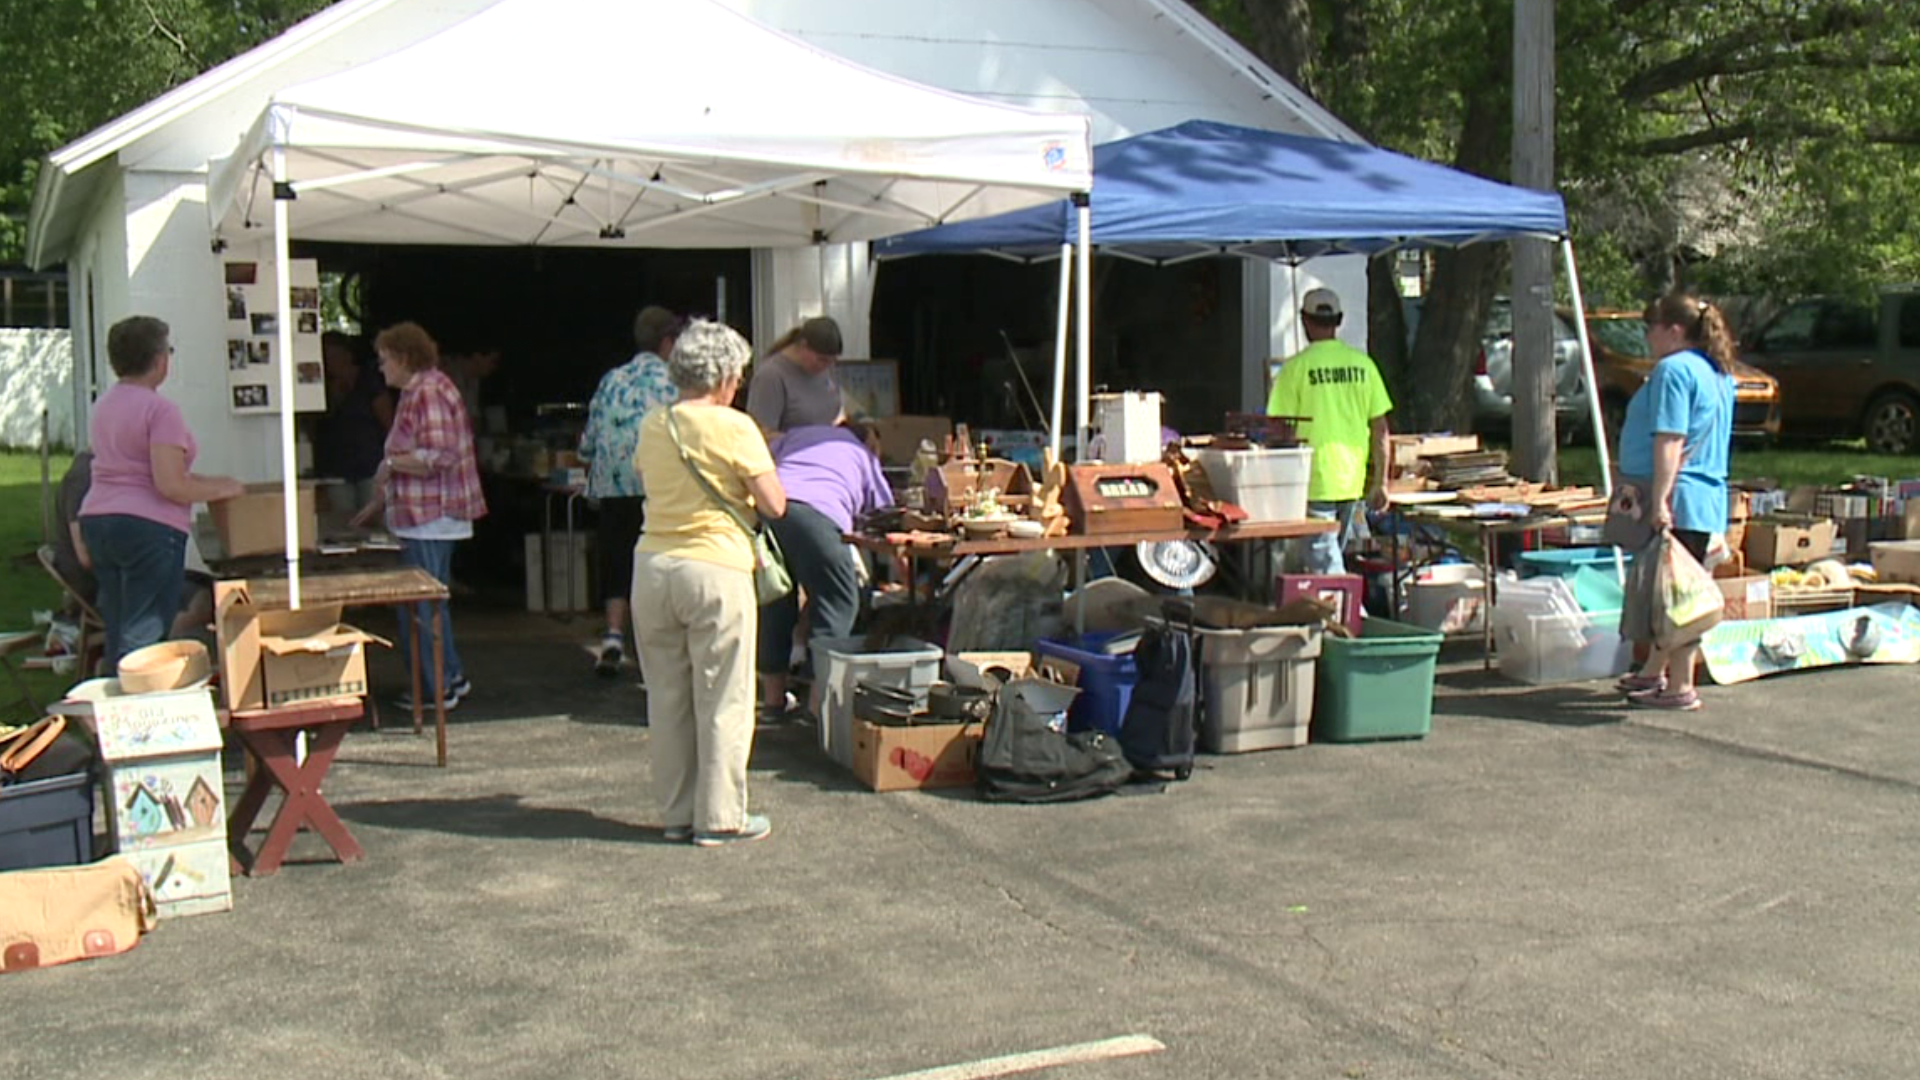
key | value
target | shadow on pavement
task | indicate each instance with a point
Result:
(1490, 695)
(504, 816)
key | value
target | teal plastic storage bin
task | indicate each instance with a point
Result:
(1376, 686)
(1565, 562)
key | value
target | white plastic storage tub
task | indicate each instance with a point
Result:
(1256, 687)
(1558, 647)
(1450, 597)
(1271, 485)
(905, 663)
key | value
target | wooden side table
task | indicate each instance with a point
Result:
(270, 737)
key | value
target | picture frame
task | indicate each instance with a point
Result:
(869, 388)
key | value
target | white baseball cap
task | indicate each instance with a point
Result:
(1321, 304)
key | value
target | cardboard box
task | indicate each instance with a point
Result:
(255, 523)
(1787, 540)
(973, 668)
(1735, 566)
(921, 756)
(1739, 506)
(274, 658)
(1896, 562)
(900, 436)
(1747, 597)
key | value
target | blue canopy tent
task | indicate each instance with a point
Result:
(1204, 188)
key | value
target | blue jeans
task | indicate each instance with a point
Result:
(436, 558)
(820, 563)
(1324, 553)
(140, 565)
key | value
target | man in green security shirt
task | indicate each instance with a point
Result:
(1336, 392)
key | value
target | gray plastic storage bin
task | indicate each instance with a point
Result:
(1256, 687)
(47, 822)
(903, 662)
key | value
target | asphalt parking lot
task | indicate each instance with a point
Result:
(1549, 886)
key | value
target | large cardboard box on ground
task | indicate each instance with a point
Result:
(920, 756)
(1747, 597)
(1788, 540)
(255, 523)
(167, 806)
(1896, 562)
(274, 658)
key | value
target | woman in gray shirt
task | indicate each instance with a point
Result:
(793, 385)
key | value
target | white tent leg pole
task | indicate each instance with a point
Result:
(1060, 350)
(283, 315)
(1293, 286)
(1595, 415)
(1083, 329)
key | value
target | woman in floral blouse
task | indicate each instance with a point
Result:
(428, 484)
(613, 431)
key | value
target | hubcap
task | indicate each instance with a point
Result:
(1891, 431)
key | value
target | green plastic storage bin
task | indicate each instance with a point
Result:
(1376, 686)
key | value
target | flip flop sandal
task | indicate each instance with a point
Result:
(1640, 684)
(1686, 702)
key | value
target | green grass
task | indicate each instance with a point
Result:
(24, 587)
(1789, 466)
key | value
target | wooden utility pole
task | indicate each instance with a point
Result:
(1533, 367)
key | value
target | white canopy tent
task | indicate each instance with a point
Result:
(663, 123)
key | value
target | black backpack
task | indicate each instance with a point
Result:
(1157, 733)
(1026, 758)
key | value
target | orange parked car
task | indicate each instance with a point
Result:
(1623, 362)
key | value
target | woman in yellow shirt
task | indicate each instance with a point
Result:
(694, 611)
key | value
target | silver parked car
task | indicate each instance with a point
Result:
(1493, 370)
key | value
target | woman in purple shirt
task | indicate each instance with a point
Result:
(831, 476)
(137, 510)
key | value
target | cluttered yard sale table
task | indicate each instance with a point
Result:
(1031, 628)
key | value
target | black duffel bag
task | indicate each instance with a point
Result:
(1026, 757)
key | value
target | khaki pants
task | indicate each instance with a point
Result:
(696, 624)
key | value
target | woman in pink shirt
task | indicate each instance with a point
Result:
(137, 511)
(429, 484)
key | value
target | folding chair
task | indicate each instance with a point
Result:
(93, 629)
(12, 644)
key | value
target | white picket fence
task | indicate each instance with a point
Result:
(36, 374)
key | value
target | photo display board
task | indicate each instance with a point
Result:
(253, 337)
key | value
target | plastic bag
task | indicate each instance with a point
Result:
(1686, 601)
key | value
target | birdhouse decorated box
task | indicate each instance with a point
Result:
(167, 806)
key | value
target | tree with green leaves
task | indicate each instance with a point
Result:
(1743, 146)
(68, 66)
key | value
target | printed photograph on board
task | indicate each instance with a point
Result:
(260, 352)
(250, 396)
(305, 297)
(236, 355)
(308, 322)
(265, 323)
(243, 273)
(236, 303)
(308, 372)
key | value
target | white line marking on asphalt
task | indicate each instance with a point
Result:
(1077, 1054)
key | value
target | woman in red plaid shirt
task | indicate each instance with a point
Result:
(429, 483)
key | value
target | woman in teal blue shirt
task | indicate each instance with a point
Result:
(1675, 444)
